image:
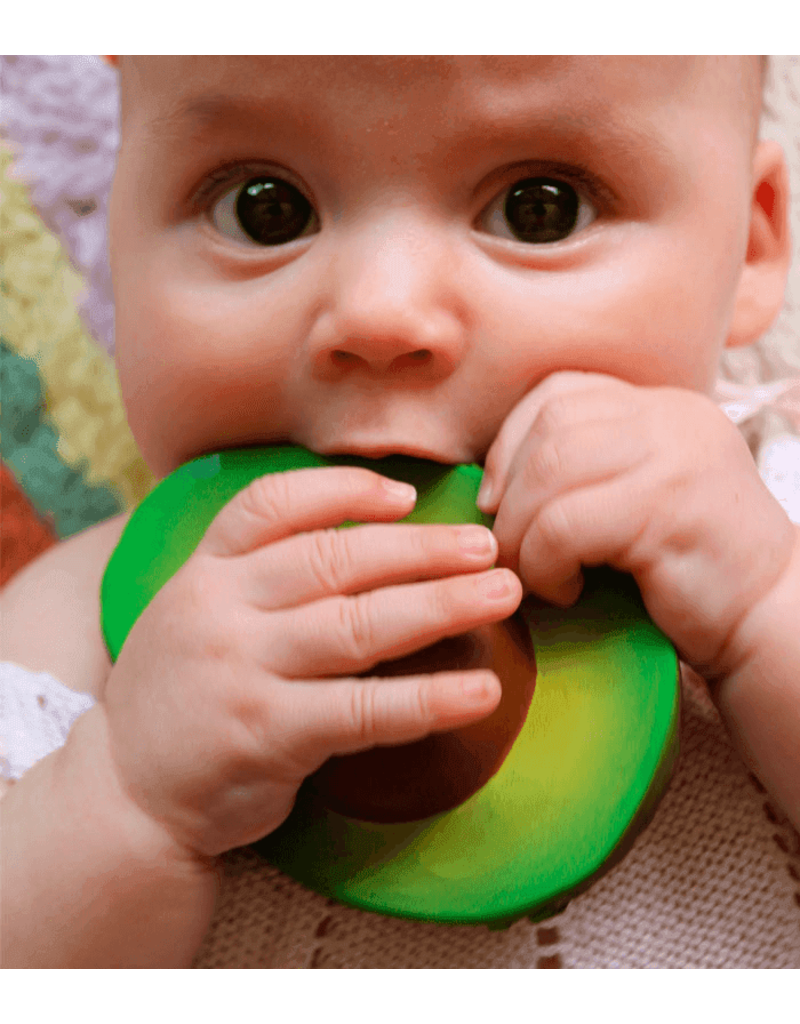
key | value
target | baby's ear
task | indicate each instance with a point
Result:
(760, 294)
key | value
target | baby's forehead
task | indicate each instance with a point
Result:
(334, 73)
(586, 88)
(615, 75)
(604, 79)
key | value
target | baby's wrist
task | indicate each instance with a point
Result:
(768, 629)
(89, 879)
(759, 700)
(90, 773)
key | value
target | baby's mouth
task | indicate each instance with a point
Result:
(384, 454)
(388, 451)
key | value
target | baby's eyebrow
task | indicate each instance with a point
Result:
(197, 115)
(621, 137)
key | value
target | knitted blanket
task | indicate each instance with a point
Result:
(68, 460)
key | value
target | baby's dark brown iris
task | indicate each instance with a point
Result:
(541, 210)
(272, 211)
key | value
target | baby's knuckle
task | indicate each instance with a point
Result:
(250, 727)
(360, 481)
(554, 524)
(266, 498)
(363, 711)
(546, 462)
(328, 559)
(446, 599)
(356, 628)
(192, 596)
(640, 548)
(555, 414)
(421, 699)
(427, 543)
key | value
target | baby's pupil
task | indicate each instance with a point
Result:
(538, 210)
(272, 211)
(541, 210)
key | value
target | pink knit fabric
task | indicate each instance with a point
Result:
(713, 882)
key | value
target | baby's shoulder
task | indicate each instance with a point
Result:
(50, 610)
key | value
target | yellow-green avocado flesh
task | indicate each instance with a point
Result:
(583, 778)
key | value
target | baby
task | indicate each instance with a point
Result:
(533, 263)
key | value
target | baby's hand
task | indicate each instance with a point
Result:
(588, 469)
(236, 681)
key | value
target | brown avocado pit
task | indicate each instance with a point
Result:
(436, 774)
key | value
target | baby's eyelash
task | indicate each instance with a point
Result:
(590, 189)
(212, 188)
(580, 178)
(215, 183)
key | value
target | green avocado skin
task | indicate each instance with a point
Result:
(582, 780)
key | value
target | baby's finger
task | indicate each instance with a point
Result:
(280, 505)
(326, 563)
(575, 457)
(588, 526)
(520, 421)
(345, 635)
(342, 716)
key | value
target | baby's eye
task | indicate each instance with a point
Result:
(267, 210)
(538, 210)
(270, 211)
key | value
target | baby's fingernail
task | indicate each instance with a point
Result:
(477, 687)
(399, 491)
(486, 492)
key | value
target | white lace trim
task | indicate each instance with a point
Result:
(36, 714)
(779, 465)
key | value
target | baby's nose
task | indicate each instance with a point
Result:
(391, 358)
(393, 303)
(385, 344)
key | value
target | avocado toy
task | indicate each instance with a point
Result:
(589, 754)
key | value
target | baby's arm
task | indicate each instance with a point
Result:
(236, 682)
(89, 880)
(61, 830)
(759, 698)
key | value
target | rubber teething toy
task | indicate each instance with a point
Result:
(589, 759)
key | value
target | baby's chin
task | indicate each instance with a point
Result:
(436, 774)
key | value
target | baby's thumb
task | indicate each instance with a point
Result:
(344, 716)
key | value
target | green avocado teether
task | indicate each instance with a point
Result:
(583, 775)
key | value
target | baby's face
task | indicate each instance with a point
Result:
(384, 254)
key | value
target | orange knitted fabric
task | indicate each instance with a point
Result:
(23, 535)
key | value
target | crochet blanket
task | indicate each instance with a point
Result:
(68, 460)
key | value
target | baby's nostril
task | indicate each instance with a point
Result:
(343, 357)
(420, 354)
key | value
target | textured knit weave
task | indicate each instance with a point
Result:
(714, 882)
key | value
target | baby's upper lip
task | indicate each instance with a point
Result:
(382, 451)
